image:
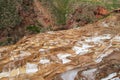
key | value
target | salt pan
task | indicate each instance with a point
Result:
(69, 75)
(44, 61)
(31, 68)
(63, 57)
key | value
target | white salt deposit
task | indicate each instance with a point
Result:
(69, 75)
(20, 56)
(15, 72)
(110, 76)
(104, 24)
(24, 53)
(89, 74)
(98, 39)
(116, 78)
(12, 58)
(43, 51)
(4, 74)
(44, 61)
(81, 50)
(101, 56)
(63, 57)
(86, 46)
(51, 32)
(117, 38)
(64, 61)
(12, 73)
(31, 68)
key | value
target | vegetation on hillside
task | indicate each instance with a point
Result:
(62, 8)
(9, 16)
(13, 14)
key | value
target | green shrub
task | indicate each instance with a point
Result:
(8, 13)
(33, 29)
(61, 9)
(37, 28)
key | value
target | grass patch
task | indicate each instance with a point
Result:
(33, 29)
(37, 29)
(62, 8)
(59, 8)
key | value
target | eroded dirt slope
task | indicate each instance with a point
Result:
(88, 53)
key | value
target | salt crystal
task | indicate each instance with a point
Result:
(44, 61)
(63, 57)
(24, 53)
(69, 75)
(116, 78)
(98, 39)
(79, 50)
(117, 38)
(42, 51)
(31, 68)
(101, 56)
(90, 74)
(105, 24)
(4, 74)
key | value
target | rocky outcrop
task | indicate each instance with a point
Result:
(88, 53)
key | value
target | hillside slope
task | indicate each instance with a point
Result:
(88, 53)
(20, 18)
